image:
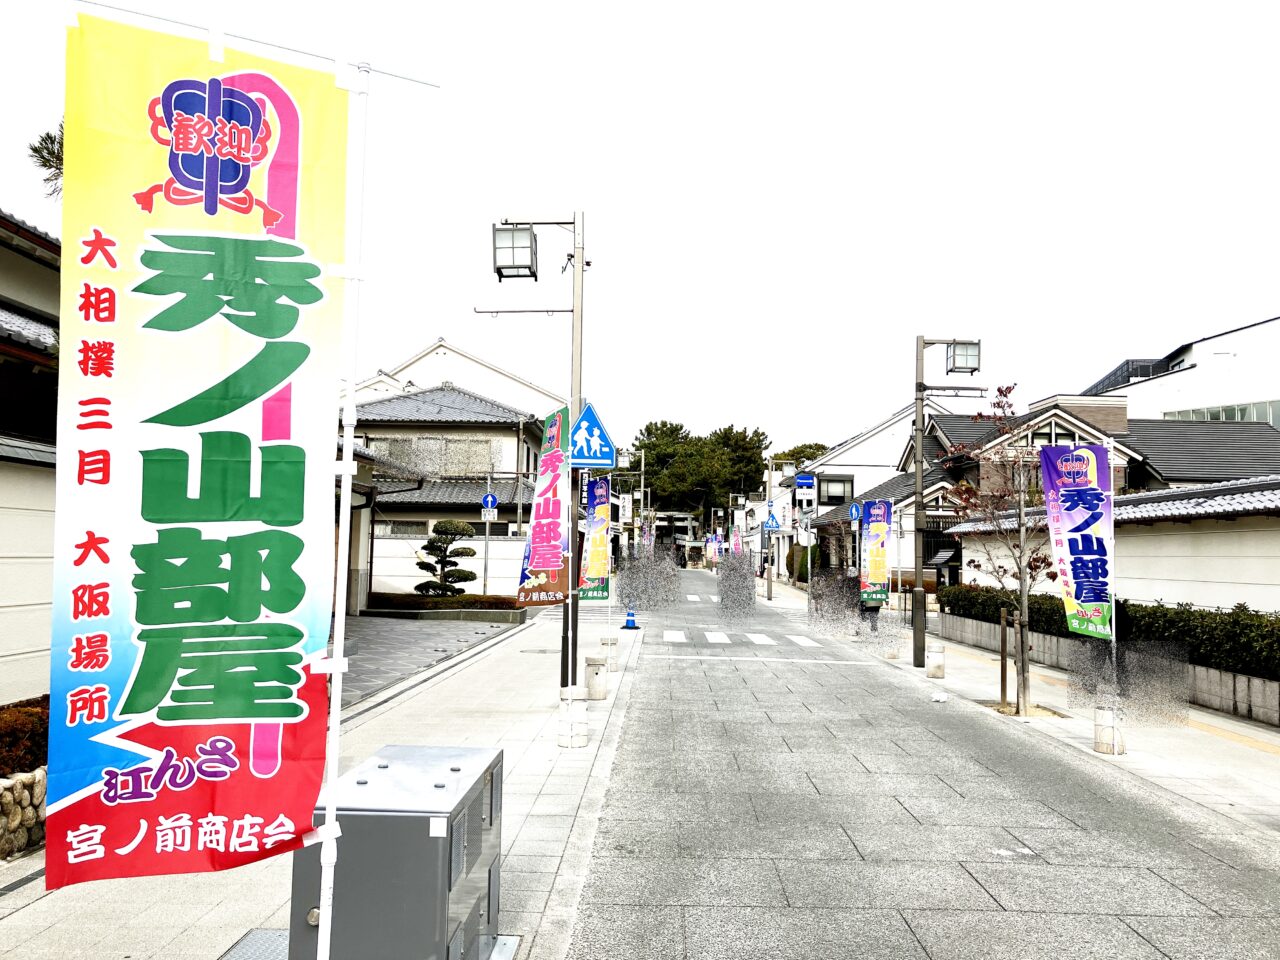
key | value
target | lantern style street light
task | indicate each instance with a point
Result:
(963, 356)
(515, 251)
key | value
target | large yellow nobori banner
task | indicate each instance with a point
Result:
(203, 207)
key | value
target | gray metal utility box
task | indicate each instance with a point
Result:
(419, 860)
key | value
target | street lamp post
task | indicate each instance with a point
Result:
(962, 357)
(515, 255)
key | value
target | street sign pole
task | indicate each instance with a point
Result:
(488, 491)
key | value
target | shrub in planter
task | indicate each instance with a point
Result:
(468, 601)
(24, 736)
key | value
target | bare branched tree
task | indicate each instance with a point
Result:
(1002, 480)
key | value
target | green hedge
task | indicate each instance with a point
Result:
(466, 601)
(1239, 640)
(24, 736)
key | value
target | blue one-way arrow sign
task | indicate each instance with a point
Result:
(489, 501)
(589, 443)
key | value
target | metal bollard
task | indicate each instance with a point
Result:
(610, 645)
(597, 678)
(935, 667)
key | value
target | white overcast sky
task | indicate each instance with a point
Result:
(779, 197)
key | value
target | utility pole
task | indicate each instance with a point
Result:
(768, 546)
(918, 609)
(519, 477)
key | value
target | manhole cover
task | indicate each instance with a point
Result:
(541, 650)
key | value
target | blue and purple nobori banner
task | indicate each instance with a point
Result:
(1077, 495)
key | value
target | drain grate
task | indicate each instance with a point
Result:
(260, 944)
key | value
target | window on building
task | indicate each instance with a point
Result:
(402, 528)
(832, 492)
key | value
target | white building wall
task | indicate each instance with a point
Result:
(1237, 368)
(395, 567)
(445, 365)
(26, 579)
(27, 282)
(1208, 563)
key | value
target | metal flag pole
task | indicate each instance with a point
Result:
(329, 830)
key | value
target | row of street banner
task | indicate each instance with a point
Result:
(1078, 493)
(203, 204)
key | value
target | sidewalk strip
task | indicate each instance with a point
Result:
(803, 641)
(762, 639)
(717, 638)
(694, 656)
(673, 636)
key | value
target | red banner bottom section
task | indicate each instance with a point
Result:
(219, 796)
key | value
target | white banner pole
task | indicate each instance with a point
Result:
(357, 125)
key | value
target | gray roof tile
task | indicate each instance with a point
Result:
(457, 493)
(1232, 498)
(28, 329)
(1205, 450)
(443, 404)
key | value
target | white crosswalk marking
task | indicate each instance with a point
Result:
(673, 636)
(715, 598)
(717, 638)
(803, 641)
(692, 597)
(762, 639)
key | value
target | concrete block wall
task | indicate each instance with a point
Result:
(1235, 693)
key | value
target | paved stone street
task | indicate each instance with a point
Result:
(774, 798)
(752, 791)
(388, 650)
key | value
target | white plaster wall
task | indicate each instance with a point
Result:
(445, 365)
(27, 282)
(1209, 563)
(26, 579)
(1234, 369)
(395, 567)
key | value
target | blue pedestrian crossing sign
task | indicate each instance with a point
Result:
(772, 523)
(589, 443)
(489, 501)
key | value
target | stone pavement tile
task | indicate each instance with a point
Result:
(1008, 788)
(1231, 892)
(531, 864)
(657, 882)
(965, 766)
(772, 808)
(749, 781)
(968, 935)
(545, 828)
(635, 838)
(778, 840)
(524, 901)
(515, 880)
(985, 813)
(894, 886)
(513, 924)
(756, 933)
(676, 807)
(15, 931)
(1106, 890)
(634, 932)
(837, 783)
(914, 841)
(1182, 938)
(1112, 848)
(1249, 849)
